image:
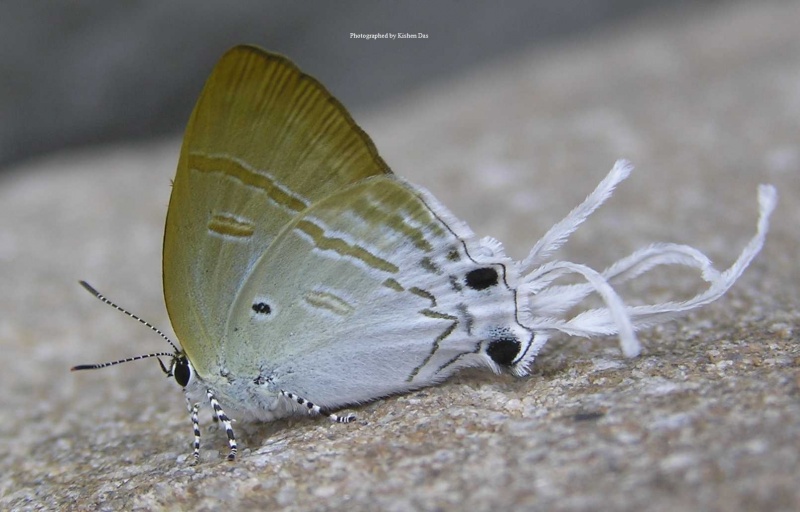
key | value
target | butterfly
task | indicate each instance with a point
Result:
(302, 276)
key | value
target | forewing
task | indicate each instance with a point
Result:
(264, 142)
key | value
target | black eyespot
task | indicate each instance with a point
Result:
(481, 278)
(503, 350)
(181, 371)
(262, 308)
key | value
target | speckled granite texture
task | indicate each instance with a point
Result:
(708, 418)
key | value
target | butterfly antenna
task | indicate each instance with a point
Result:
(152, 327)
(126, 360)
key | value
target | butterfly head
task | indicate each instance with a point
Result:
(179, 367)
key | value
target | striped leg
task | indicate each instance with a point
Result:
(226, 422)
(312, 408)
(193, 408)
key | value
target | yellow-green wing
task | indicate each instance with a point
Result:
(264, 142)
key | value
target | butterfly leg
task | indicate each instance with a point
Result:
(312, 408)
(193, 408)
(226, 422)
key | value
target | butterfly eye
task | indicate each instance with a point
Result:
(262, 308)
(182, 371)
(481, 278)
(503, 349)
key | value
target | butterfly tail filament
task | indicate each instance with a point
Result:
(548, 304)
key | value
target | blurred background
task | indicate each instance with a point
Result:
(89, 72)
(510, 112)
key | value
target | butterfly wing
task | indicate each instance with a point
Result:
(263, 143)
(363, 295)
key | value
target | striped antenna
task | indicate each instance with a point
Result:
(153, 328)
(126, 360)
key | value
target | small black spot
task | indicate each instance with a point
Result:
(481, 278)
(588, 415)
(262, 308)
(503, 350)
(259, 381)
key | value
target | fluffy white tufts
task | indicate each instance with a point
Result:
(549, 303)
(559, 233)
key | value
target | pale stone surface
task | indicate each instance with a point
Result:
(708, 418)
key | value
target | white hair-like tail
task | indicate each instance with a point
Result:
(548, 303)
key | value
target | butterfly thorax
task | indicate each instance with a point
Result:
(244, 398)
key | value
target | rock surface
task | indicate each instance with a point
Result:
(708, 418)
